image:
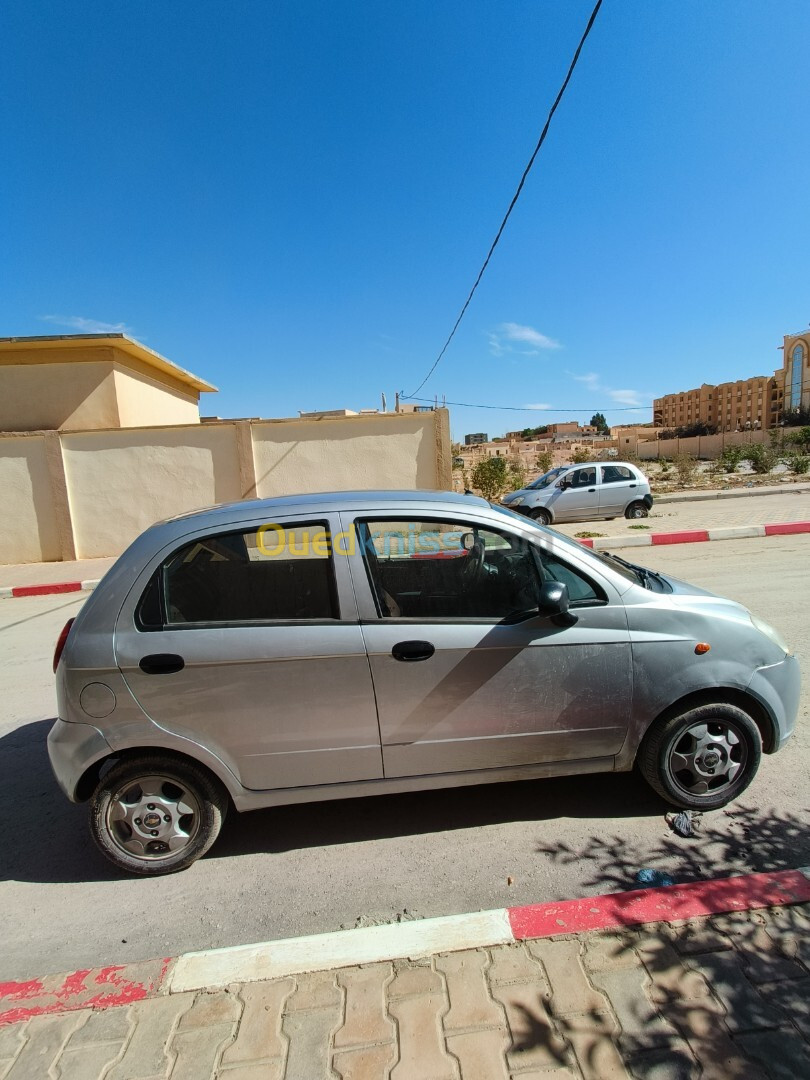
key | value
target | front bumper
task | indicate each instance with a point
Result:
(72, 749)
(778, 687)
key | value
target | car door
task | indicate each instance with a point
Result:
(467, 675)
(247, 640)
(619, 485)
(579, 499)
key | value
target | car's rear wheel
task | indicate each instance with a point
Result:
(541, 516)
(155, 814)
(636, 510)
(703, 758)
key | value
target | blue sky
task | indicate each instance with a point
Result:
(292, 198)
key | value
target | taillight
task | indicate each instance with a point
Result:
(61, 643)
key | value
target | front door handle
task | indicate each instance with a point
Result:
(161, 664)
(413, 650)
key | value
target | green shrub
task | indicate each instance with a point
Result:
(731, 458)
(797, 463)
(686, 467)
(490, 477)
(762, 458)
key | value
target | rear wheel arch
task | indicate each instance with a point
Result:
(89, 780)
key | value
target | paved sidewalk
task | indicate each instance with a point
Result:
(721, 998)
(703, 514)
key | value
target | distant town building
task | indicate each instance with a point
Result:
(758, 402)
(476, 438)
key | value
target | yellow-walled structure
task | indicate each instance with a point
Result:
(86, 382)
(760, 402)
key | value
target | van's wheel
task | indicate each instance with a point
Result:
(541, 516)
(636, 510)
(703, 758)
(155, 813)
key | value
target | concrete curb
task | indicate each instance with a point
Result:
(602, 543)
(695, 536)
(732, 493)
(218, 968)
(9, 591)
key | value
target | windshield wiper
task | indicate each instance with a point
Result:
(641, 572)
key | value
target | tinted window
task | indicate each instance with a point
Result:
(259, 575)
(612, 474)
(583, 477)
(448, 570)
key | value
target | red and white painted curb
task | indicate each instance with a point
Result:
(9, 591)
(602, 543)
(697, 536)
(218, 968)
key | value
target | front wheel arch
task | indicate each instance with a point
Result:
(725, 695)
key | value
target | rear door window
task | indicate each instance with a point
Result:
(272, 573)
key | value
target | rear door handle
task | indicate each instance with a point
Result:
(161, 664)
(413, 650)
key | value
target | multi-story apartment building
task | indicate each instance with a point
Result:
(747, 403)
(476, 438)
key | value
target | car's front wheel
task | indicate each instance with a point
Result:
(636, 510)
(155, 814)
(541, 516)
(703, 758)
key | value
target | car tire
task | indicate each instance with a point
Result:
(703, 758)
(187, 805)
(541, 516)
(636, 510)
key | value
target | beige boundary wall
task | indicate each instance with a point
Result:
(706, 447)
(85, 495)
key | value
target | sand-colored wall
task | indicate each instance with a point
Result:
(28, 527)
(120, 482)
(145, 402)
(88, 494)
(50, 396)
(706, 447)
(386, 451)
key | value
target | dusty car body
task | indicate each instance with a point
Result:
(324, 646)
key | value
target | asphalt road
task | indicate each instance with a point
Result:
(306, 869)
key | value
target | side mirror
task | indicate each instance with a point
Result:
(553, 602)
(563, 484)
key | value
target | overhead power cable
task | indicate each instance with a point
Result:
(515, 198)
(536, 408)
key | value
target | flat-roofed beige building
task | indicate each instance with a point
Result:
(761, 401)
(85, 382)
(727, 406)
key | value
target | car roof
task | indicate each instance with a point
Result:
(603, 461)
(324, 501)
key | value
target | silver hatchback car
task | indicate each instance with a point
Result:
(325, 646)
(593, 489)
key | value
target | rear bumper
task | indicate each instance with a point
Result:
(72, 749)
(778, 687)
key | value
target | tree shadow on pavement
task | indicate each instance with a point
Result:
(738, 839)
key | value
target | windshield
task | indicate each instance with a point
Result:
(545, 480)
(622, 569)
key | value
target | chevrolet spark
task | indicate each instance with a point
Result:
(326, 646)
